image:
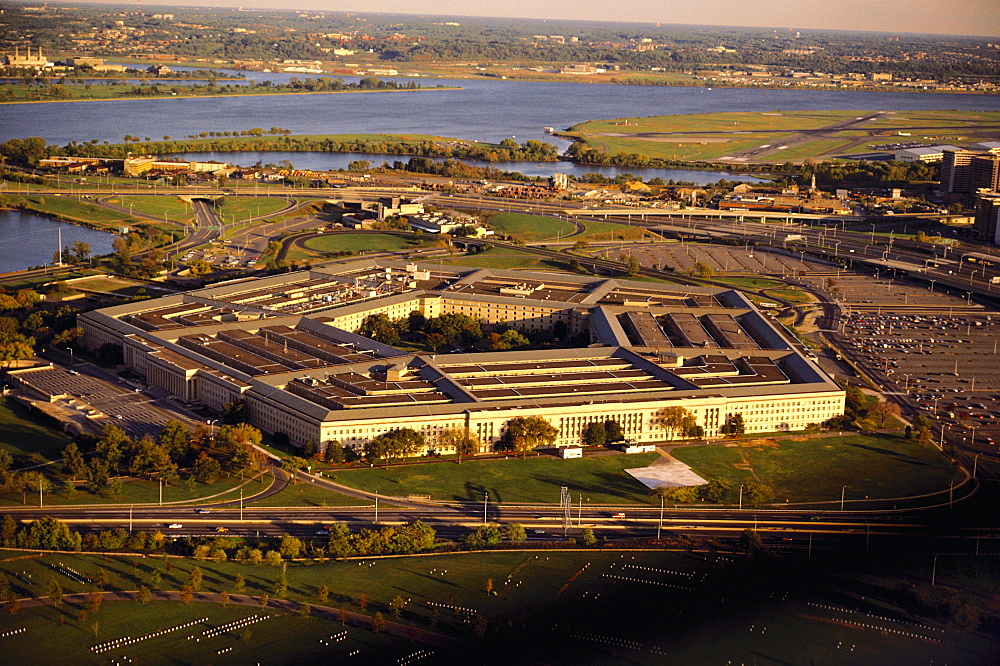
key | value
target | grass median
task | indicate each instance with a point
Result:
(537, 479)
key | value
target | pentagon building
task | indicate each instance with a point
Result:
(287, 345)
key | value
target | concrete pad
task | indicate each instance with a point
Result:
(673, 474)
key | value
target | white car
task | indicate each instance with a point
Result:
(174, 526)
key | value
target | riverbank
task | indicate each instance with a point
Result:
(126, 98)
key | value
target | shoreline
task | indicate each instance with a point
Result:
(274, 94)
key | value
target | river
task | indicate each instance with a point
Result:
(480, 110)
(29, 240)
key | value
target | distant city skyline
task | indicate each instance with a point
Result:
(958, 17)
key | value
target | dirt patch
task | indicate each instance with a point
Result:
(760, 444)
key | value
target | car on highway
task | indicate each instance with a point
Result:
(322, 532)
(201, 511)
(174, 526)
(221, 529)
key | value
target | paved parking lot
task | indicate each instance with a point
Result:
(720, 258)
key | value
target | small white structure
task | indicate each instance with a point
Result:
(568, 452)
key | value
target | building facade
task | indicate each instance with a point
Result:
(289, 347)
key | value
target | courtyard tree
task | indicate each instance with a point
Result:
(524, 433)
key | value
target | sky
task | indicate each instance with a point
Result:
(958, 17)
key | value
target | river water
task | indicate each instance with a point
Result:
(31, 240)
(478, 110)
(327, 161)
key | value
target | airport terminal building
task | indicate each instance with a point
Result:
(288, 346)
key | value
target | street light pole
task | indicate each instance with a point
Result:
(659, 525)
(741, 497)
(842, 491)
(486, 499)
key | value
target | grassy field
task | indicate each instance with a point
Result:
(597, 230)
(113, 286)
(73, 209)
(156, 206)
(134, 491)
(237, 209)
(873, 466)
(358, 243)
(553, 607)
(600, 480)
(532, 228)
(24, 433)
(714, 135)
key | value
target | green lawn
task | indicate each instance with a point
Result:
(874, 466)
(73, 209)
(538, 479)
(306, 494)
(597, 230)
(167, 205)
(374, 242)
(24, 432)
(238, 209)
(532, 228)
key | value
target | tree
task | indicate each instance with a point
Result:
(280, 585)
(378, 623)
(672, 419)
(758, 493)
(379, 327)
(195, 578)
(882, 411)
(489, 585)
(290, 547)
(631, 265)
(516, 533)
(55, 592)
(587, 537)
(595, 434)
(323, 594)
(239, 583)
(701, 269)
(143, 595)
(206, 470)
(273, 558)
(393, 445)
(461, 439)
(396, 605)
(733, 426)
(484, 536)
(224, 597)
(751, 542)
(305, 610)
(334, 452)
(186, 595)
(363, 601)
(175, 438)
(73, 462)
(235, 412)
(613, 431)
(36, 482)
(524, 433)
